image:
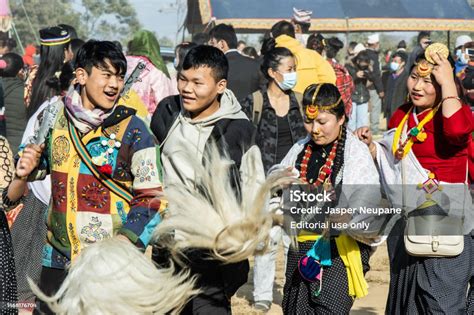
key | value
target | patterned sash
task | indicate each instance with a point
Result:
(86, 158)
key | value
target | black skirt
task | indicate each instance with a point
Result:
(8, 291)
(428, 285)
(298, 294)
(29, 236)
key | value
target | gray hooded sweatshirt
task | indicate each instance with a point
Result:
(188, 137)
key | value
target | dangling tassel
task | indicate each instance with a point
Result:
(321, 251)
(318, 291)
(311, 265)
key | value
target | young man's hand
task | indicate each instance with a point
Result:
(29, 160)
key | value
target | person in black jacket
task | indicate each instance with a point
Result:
(396, 83)
(376, 90)
(423, 40)
(15, 110)
(362, 73)
(244, 75)
(204, 112)
(276, 113)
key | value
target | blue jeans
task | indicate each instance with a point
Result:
(264, 266)
(359, 116)
(376, 103)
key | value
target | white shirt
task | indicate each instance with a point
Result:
(40, 188)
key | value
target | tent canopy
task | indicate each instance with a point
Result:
(336, 15)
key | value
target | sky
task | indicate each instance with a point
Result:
(164, 17)
(161, 16)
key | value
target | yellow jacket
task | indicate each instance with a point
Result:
(310, 66)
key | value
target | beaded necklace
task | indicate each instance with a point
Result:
(400, 149)
(431, 185)
(325, 170)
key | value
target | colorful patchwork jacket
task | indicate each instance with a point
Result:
(83, 209)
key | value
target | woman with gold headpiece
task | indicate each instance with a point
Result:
(423, 164)
(325, 272)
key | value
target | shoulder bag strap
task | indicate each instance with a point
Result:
(257, 106)
(86, 158)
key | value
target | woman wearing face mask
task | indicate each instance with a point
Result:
(426, 153)
(361, 72)
(276, 112)
(462, 58)
(275, 109)
(332, 158)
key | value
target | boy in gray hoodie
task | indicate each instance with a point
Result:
(205, 111)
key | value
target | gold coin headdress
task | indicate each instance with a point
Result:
(425, 66)
(312, 110)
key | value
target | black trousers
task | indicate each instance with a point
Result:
(218, 282)
(50, 282)
(212, 300)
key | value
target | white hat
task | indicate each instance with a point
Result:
(357, 49)
(302, 16)
(373, 39)
(461, 40)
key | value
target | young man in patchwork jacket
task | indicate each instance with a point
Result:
(103, 162)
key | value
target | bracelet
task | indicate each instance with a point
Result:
(449, 98)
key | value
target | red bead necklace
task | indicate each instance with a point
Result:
(324, 171)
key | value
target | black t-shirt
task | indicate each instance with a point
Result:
(284, 139)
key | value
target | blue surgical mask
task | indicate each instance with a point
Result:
(394, 66)
(289, 81)
(462, 57)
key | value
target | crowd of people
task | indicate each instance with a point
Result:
(97, 145)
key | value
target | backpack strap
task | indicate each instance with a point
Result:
(257, 107)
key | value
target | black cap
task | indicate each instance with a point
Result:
(54, 35)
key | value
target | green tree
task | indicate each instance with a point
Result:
(106, 19)
(99, 19)
(165, 41)
(32, 15)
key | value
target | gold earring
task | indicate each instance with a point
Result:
(340, 133)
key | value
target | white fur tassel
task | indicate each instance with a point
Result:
(210, 216)
(114, 277)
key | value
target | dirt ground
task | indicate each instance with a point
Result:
(372, 304)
